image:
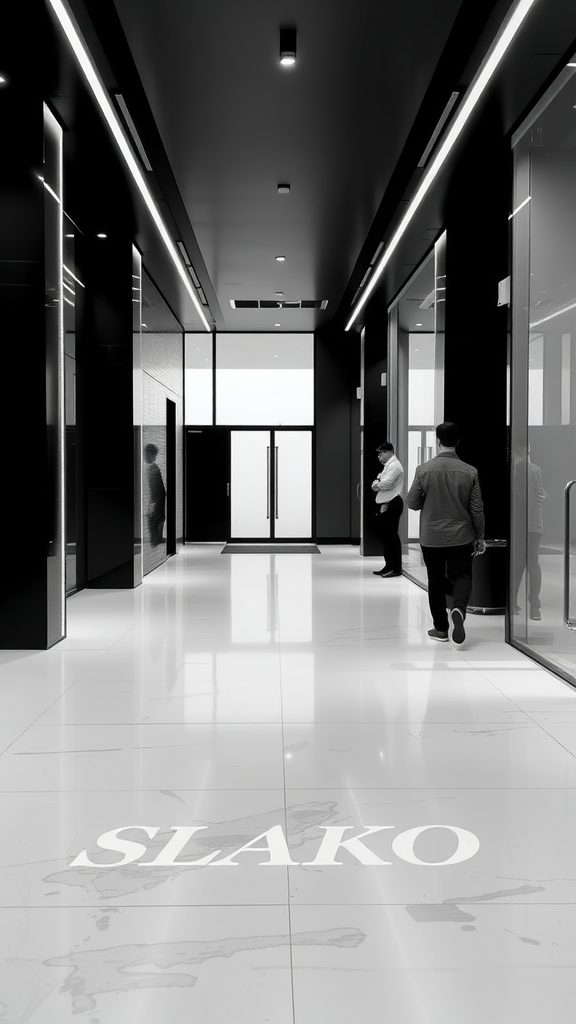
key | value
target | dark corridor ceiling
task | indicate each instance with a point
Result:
(234, 123)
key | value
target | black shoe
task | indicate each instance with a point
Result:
(438, 634)
(380, 572)
(458, 631)
(390, 573)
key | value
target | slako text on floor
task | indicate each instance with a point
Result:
(273, 843)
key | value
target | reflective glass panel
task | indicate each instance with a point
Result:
(543, 582)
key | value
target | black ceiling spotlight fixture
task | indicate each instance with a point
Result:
(283, 188)
(287, 46)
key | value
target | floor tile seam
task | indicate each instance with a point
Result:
(132, 626)
(290, 722)
(411, 903)
(305, 789)
(153, 906)
(555, 738)
(36, 721)
(527, 713)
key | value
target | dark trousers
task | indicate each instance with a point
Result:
(388, 527)
(533, 571)
(449, 573)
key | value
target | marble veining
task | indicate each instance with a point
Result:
(184, 703)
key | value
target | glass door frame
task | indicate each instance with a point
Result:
(273, 430)
(398, 425)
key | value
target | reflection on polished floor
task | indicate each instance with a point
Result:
(270, 696)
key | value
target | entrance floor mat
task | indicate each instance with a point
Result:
(270, 549)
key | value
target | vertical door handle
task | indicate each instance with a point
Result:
(276, 481)
(428, 453)
(268, 482)
(419, 455)
(570, 623)
(358, 495)
(228, 490)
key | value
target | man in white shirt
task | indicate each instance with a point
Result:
(388, 486)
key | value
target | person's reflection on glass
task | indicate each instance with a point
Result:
(525, 469)
(156, 511)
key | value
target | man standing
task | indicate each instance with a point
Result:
(389, 485)
(156, 511)
(447, 492)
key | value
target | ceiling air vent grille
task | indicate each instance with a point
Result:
(278, 304)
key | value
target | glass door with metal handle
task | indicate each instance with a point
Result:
(293, 484)
(569, 619)
(250, 504)
(276, 481)
(267, 481)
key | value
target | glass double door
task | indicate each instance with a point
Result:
(271, 484)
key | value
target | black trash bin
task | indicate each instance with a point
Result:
(489, 572)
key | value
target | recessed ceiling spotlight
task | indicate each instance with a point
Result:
(101, 235)
(418, 325)
(278, 294)
(287, 46)
(283, 188)
(279, 259)
(277, 325)
(3, 80)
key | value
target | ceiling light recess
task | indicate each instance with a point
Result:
(487, 69)
(287, 46)
(133, 130)
(283, 188)
(103, 100)
(280, 259)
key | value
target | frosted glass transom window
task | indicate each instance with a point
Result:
(265, 379)
(198, 378)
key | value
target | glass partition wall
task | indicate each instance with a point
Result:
(416, 366)
(543, 382)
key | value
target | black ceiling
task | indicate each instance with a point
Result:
(224, 123)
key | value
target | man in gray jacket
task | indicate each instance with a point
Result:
(447, 492)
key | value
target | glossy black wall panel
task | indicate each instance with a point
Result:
(107, 410)
(375, 416)
(336, 377)
(25, 524)
(477, 208)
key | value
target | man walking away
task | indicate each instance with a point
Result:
(447, 492)
(389, 485)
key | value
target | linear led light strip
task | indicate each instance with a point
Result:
(92, 77)
(474, 92)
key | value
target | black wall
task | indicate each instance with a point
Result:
(336, 377)
(27, 512)
(477, 207)
(105, 421)
(375, 415)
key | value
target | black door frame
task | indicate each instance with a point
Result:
(170, 477)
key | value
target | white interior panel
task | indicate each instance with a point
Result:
(293, 483)
(249, 483)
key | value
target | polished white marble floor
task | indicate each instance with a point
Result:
(294, 700)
